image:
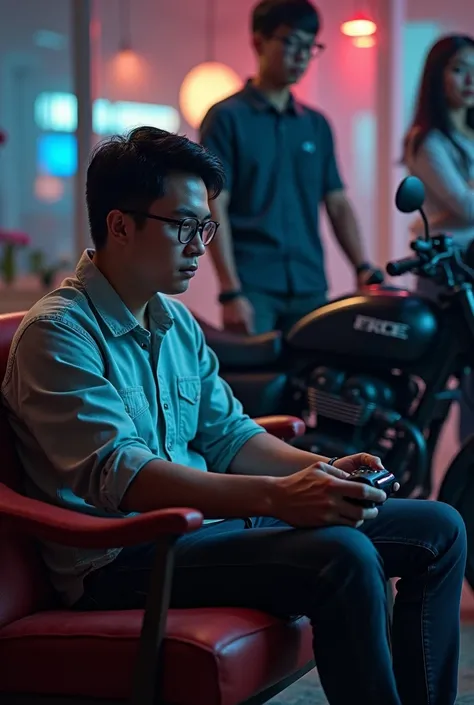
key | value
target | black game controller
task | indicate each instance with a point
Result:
(380, 479)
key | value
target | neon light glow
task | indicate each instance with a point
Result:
(205, 85)
(359, 26)
(57, 154)
(57, 112)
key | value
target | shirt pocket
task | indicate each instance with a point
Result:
(189, 397)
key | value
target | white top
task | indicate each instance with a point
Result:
(449, 184)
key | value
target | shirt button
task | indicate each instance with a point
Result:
(170, 446)
(144, 345)
(165, 406)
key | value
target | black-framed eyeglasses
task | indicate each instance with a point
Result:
(188, 228)
(294, 46)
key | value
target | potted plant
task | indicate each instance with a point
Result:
(44, 271)
(11, 240)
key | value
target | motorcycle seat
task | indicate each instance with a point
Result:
(242, 351)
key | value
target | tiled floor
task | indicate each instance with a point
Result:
(308, 691)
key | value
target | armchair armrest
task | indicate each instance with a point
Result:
(64, 526)
(285, 427)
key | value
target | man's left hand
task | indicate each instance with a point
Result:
(350, 463)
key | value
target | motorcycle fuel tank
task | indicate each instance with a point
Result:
(391, 325)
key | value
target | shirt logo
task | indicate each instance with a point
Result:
(308, 147)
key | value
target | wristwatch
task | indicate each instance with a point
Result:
(227, 296)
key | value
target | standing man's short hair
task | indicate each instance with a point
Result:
(268, 15)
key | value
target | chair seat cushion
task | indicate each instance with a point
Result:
(218, 656)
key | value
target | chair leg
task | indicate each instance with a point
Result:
(148, 676)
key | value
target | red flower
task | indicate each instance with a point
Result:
(14, 237)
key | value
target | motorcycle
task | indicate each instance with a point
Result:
(376, 370)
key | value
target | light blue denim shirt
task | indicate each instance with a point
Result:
(92, 397)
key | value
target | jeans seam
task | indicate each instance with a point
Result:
(424, 645)
(244, 565)
(399, 540)
(407, 542)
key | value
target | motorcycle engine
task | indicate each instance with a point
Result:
(345, 412)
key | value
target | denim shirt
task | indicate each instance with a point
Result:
(92, 397)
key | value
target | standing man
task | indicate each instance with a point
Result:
(280, 165)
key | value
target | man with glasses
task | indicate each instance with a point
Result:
(280, 165)
(118, 407)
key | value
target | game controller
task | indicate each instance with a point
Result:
(380, 479)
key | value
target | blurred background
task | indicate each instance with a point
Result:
(141, 57)
(117, 64)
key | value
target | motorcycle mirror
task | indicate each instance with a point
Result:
(410, 195)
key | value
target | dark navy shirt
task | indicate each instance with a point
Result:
(279, 167)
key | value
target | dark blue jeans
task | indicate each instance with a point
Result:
(337, 577)
(282, 311)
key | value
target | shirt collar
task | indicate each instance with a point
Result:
(259, 101)
(110, 307)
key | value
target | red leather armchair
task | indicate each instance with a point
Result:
(50, 655)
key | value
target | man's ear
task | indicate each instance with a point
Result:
(117, 226)
(257, 42)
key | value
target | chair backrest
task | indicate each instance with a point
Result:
(24, 587)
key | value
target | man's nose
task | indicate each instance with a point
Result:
(196, 246)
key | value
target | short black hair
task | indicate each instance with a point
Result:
(268, 15)
(130, 172)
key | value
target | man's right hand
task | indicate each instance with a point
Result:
(317, 496)
(238, 316)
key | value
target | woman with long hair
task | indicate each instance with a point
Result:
(439, 150)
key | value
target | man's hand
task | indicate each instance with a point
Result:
(351, 463)
(370, 276)
(319, 494)
(238, 316)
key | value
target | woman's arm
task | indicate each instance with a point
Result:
(436, 166)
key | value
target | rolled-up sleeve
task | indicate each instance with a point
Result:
(55, 385)
(223, 428)
(332, 178)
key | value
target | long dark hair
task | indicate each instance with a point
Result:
(432, 109)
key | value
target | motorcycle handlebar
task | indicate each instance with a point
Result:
(402, 266)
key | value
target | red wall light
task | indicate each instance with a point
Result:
(364, 42)
(360, 25)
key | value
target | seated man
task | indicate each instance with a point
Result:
(117, 407)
